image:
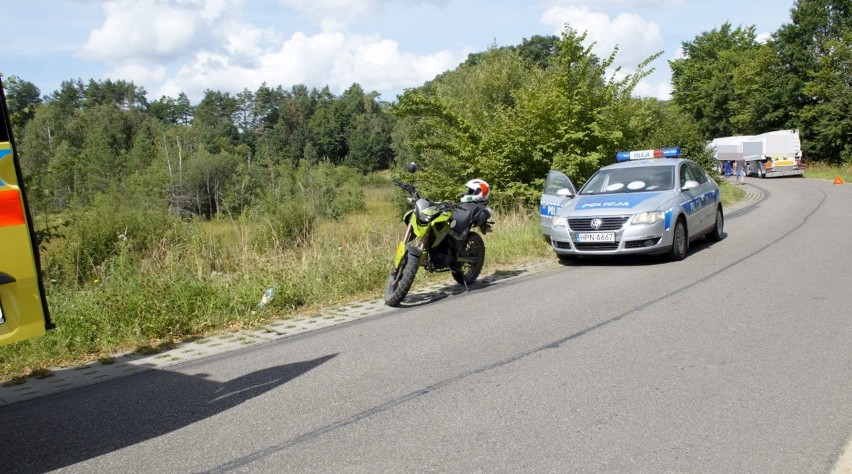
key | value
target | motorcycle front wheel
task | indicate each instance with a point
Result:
(400, 280)
(471, 259)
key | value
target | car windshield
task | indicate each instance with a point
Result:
(630, 180)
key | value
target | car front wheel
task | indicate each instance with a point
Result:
(680, 242)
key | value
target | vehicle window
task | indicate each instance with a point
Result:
(697, 173)
(627, 180)
(556, 181)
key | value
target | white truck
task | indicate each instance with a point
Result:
(770, 154)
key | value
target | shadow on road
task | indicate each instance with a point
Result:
(452, 289)
(102, 418)
(696, 246)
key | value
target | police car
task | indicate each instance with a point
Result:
(650, 202)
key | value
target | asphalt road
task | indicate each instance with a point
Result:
(737, 359)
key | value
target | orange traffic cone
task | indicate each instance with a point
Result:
(838, 180)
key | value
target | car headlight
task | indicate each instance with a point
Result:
(648, 217)
(559, 221)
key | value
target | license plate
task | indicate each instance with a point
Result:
(596, 237)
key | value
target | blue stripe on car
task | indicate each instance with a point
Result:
(620, 201)
(698, 202)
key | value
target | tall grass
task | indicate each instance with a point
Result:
(824, 171)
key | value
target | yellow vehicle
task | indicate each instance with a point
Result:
(23, 306)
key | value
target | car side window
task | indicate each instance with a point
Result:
(556, 181)
(698, 174)
(691, 171)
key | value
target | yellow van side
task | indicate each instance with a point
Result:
(23, 307)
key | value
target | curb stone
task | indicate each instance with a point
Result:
(752, 197)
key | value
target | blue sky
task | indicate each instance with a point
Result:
(173, 46)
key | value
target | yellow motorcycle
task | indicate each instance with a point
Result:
(440, 236)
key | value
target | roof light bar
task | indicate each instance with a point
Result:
(647, 154)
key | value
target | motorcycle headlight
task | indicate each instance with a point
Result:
(559, 221)
(648, 217)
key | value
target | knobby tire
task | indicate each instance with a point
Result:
(400, 282)
(474, 248)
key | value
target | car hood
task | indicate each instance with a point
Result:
(615, 204)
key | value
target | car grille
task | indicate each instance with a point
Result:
(584, 224)
(591, 246)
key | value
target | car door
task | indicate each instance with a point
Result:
(697, 203)
(557, 187)
(708, 197)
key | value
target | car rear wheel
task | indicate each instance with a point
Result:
(680, 242)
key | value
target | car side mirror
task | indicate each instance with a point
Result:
(689, 185)
(564, 192)
(411, 167)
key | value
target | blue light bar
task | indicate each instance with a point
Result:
(648, 154)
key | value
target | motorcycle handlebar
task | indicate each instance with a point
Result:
(407, 187)
(410, 189)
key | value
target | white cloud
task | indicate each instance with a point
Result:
(763, 38)
(658, 90)
(192, 45)
(347, 10)
(173, 46)
(650, 4)
(154, 30)
(637, 40)
(334, 59)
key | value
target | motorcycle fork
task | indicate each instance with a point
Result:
(401, 248)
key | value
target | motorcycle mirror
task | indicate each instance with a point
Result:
(412, 167)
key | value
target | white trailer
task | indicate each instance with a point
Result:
(776, 153)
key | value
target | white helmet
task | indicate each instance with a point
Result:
(477, 191)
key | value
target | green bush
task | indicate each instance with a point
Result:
(330, 191)
(277, 224)
(95, 233)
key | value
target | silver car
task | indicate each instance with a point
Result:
(636, 206)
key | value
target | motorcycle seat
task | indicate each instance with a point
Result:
(467, 215)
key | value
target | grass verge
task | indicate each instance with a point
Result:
(822, 171)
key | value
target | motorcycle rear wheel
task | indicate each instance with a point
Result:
(471, 259)
(399, 282)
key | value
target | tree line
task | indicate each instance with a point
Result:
(507, 115)
(511, 113)
(208, 159)
(800, 78)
